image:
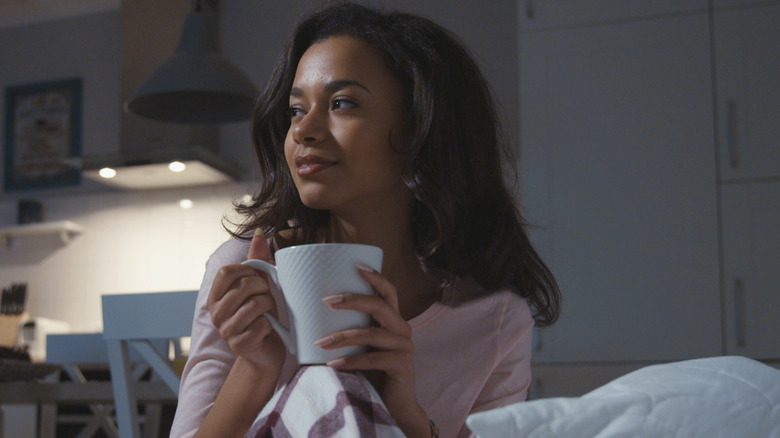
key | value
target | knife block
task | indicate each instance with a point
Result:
(9, 328)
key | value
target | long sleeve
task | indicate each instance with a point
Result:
(471, 354)
(210, 357)
(509, 381)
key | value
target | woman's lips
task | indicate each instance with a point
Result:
(307, 165)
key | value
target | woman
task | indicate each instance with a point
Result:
(377, 128)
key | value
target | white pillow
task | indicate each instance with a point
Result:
(714, 397)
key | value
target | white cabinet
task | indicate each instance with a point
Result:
(541, 14)
(618, 172)
(624, 150)
(747, 59)
(751, 246)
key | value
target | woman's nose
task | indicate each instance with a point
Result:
(310, 128)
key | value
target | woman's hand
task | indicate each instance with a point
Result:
(393, 355)
(238, 298)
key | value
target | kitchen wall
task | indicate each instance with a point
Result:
(85, 47)
(144, 241)
(132, 242)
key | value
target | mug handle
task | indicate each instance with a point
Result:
(288, 337)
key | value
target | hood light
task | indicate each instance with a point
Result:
(177, 166)
(155, 168)
(107, 172)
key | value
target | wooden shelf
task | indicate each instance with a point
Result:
(65, 229)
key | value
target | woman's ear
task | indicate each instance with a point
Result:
(400, 138)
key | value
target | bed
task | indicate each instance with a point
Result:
(713, 397)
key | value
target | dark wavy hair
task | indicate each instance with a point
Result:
(464, 221)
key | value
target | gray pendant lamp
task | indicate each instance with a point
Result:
(196, 85)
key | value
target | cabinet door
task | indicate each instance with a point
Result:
(717, 4)
(751, 247)
(747, 54)
(575, 380)
(617, 169)
(541, 14)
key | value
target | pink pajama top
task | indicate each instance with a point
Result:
(470, 355)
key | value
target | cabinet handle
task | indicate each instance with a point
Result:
(739, 312)
(731, 133)
(530, 9)
(537, 340)
(537, 389)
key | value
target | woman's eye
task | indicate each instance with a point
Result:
(295, 111)
(342, 103)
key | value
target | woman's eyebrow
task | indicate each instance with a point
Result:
(331, 87)
(338, 84)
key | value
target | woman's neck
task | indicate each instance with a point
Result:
(390, 230)
(386, 223)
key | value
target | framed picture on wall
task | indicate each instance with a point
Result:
(43, 134)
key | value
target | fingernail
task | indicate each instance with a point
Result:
(259, 232)
(333, 299)
(366, 268)
(335, 363)
(324, 341)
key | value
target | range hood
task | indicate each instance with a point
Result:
(160, 168)
(151, 30)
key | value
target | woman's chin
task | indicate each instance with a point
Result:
(317, 201)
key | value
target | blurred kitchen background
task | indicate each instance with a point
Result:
(646, 135)
(148, 240)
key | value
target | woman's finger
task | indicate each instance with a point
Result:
(375, 337)
(382, 286)
(258, 248)
(225, 280)
(381, 311)
(240, 320)
(250, 338)
(236, 294)
(394, 363)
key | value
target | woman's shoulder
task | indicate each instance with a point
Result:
(468, 289)
(504, 301)
(233, 250)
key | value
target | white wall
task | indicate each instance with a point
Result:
(132, 242)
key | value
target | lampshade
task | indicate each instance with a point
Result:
(196, 84)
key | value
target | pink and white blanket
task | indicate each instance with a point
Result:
(322, 402)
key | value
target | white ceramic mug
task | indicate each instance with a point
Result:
(308, 273)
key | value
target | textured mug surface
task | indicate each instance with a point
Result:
(307, 274)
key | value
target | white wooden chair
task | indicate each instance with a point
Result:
(76, 353)
(133, 321)
(73, 351)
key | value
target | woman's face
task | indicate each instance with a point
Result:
(346, 117)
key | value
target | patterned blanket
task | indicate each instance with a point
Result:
(322, 402)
